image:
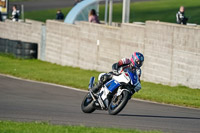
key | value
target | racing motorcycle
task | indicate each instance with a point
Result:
(114, 95)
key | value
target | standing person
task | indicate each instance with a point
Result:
(59, 15)
(1, 17)
(93, 17)
(15, 13)
(180, 17)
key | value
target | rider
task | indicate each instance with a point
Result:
(135, 62)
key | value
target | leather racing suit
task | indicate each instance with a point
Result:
(117, 68)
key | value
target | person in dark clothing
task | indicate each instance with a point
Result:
(15, 13)
(59, 15)
(180, 17)
(1, 17)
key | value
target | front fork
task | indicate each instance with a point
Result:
(96, 98)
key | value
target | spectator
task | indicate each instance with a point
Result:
(15, 13)
(180, 17)
(93, 17)
(59, 15)
(1, 17)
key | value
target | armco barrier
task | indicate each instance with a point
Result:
(19, 49)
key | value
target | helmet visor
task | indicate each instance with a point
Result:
(138, 63)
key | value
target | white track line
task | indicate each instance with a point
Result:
(46, 83)
(80, 90)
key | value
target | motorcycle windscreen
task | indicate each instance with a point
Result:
(112, 85)
(91, 83)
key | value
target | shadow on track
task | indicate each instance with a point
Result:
(166, 117)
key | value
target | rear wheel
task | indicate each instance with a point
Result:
(118, 103)
(87, 105)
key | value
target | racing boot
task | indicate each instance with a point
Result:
(105, 78)
(97, 87)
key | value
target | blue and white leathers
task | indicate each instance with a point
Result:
(134, 80)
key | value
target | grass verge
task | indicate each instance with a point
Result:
(34, 127)
(76, 77)
(43, 15)
(163, 10)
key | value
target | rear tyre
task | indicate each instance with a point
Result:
(87, 105)
(118, 103)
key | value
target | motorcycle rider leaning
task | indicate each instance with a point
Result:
(135, 62)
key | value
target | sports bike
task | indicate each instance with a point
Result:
(114, 95)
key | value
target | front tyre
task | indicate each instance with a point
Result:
(118, 103)
(87, 105)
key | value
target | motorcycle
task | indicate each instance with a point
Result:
(114, 95)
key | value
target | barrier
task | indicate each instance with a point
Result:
(171, 51)
(30, 31)
(19, 49)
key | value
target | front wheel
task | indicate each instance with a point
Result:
(87, 105)
(118, 103)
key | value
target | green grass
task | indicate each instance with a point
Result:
(76, 77)
(43, 15)
(163, 10)
(178, 95)
(35, 127)
(44, 71)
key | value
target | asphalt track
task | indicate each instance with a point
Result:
(22, 100)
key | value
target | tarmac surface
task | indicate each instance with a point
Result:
(22, 100)
(51, 4)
